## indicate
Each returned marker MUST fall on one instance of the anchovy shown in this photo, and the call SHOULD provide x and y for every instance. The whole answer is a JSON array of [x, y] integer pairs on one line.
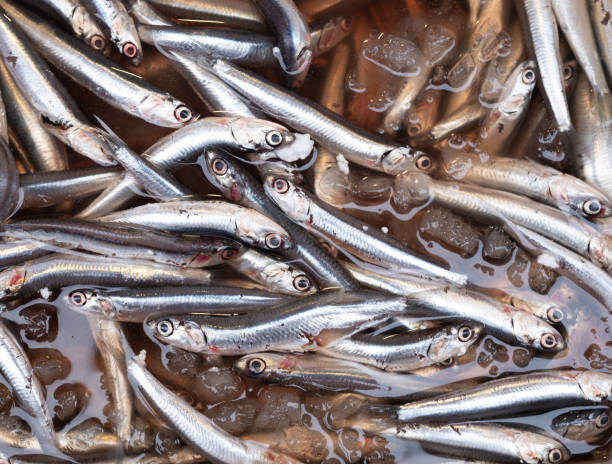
[[582, 271], [82, 440], [492, 205], [324, 126], [135, 305], [330, 34], [26, 388], [410, 351], [125, 241], [542, 183], [202, 217], [111, 83], [510, 324], [58, 111], [233, 133], [506, 115], [294, 51], [45, 151], [574, 21], [274, 274], [366, 242], [465, 117], [583, 424], [9, 182], [315, 372], [74, 15], [489, 441], [527, 300], [120, 26], [600, 17], [423, 115], [325, 169], [305, 324], [109, 340], [231, 13], [50, 188], [59, 270], [541, 33], [593, 138], [197, 430], [516, 395], [239, 185]]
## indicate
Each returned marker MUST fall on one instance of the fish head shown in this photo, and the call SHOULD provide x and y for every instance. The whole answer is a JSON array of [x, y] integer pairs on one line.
[[220, 252], [402, 159], [91, 142], [453, 341], [584, 425], [259, 230], [535, 332], [572, 193], [517, 90], [178, 331], [293, 200], [538, 448], [332, 33], [267, 367], [91, 301], [600, 251], [85, 25], [224, 172], [164, 110], [292, 280], [259, 134], [595, 386]]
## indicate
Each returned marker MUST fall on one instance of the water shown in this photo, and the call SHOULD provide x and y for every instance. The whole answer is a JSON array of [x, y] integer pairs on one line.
[[387, 50]]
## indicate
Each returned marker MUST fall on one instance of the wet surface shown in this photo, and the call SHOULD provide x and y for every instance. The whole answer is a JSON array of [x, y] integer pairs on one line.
[[308, 425]]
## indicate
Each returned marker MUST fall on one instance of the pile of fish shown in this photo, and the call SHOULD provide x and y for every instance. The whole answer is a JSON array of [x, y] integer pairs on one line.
[[361, 234]]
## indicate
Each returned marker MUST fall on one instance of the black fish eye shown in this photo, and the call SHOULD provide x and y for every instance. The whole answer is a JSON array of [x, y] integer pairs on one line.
[[554, 315], [280, 185], [273, 241], [548, 340], [592, 207], [528, 76], [219, 166], [78, 298], [301, 283], [448, 362], [98, 42], [256, 366], [274, 138], [423, 162], [130, 50], [465, 333], [414, 129], [602, 420], [228, 253], [554, 455], [165, 328], [182, 114], [568, 72]]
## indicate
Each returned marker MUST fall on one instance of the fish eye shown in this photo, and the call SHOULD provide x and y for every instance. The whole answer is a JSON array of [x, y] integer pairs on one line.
[[548, 340], [414, 129], [165, 328], [182, 114], [219, 166], [229, 253], [280, 185], [554, 314], [346, 24], [98, 42], [465, 333], [555, 455], [602, 420], [529, 76], [273, 240], [448, 362], [302, 283], [591, 207], [78, 298], [568, 72], [274, 138], [256, 366], [130, 50], [423, 162]]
